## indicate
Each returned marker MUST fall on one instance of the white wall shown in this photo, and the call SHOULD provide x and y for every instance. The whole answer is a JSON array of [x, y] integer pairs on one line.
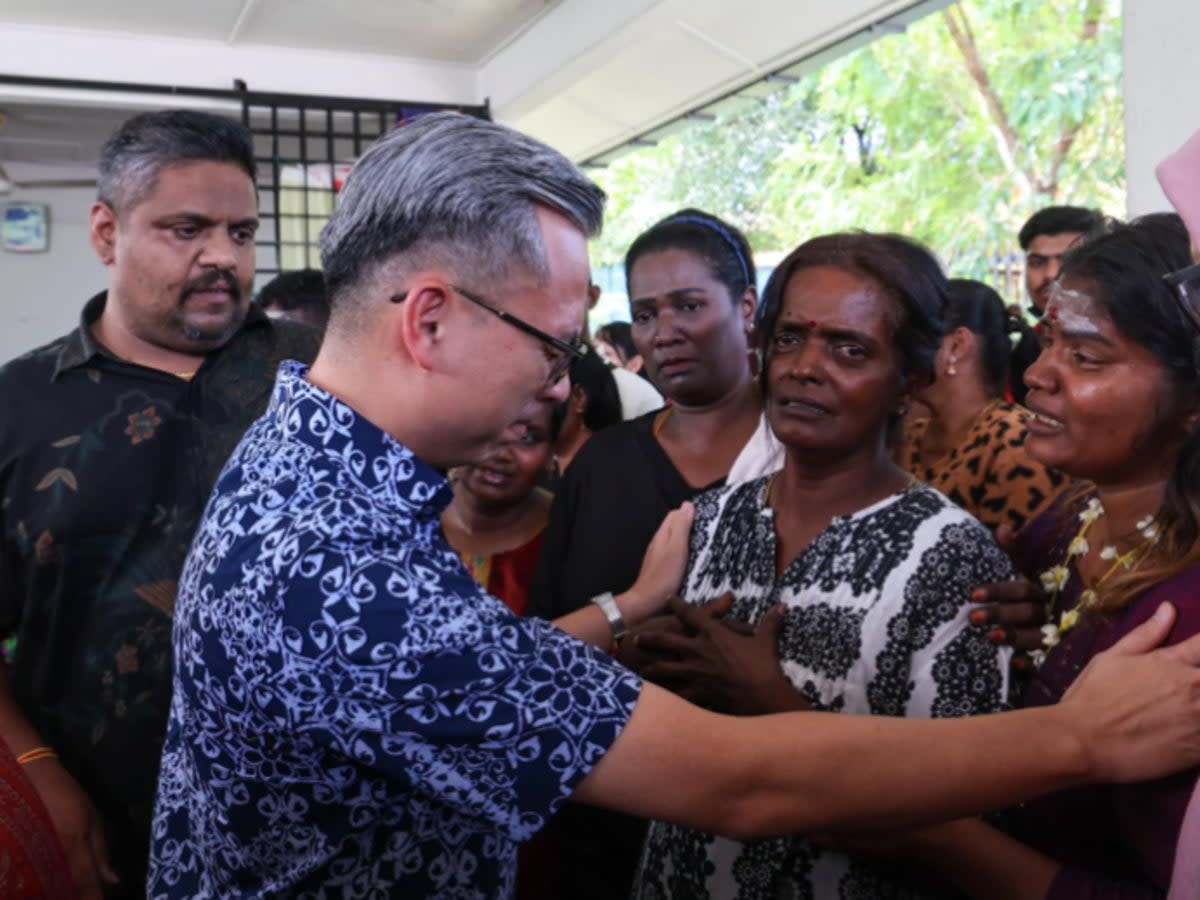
[[1162, 94], [41, 294]]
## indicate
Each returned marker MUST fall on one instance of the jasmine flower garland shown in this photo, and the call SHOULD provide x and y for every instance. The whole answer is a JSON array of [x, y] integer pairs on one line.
[[1056, 577]]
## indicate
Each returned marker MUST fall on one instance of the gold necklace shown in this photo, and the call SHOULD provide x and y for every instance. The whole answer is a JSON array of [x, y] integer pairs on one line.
[[662, 421]]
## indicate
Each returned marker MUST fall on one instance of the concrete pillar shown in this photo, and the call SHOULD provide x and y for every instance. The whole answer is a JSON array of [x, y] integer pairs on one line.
[[1162, 91]]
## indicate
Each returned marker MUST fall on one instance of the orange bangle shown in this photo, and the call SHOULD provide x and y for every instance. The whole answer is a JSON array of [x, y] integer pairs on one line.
[[36, 754]]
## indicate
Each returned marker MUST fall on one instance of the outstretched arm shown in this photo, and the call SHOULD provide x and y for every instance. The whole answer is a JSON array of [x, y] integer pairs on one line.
[[662, 571], [1131, 716]]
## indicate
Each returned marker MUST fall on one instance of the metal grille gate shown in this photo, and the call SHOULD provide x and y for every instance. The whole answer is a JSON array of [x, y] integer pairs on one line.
[[304, 145]]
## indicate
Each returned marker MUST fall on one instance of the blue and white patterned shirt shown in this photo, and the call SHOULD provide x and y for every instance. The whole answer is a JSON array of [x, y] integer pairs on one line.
[[352, 715]]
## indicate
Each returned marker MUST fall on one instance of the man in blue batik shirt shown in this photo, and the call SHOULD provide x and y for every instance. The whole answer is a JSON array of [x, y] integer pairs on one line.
[[353, 716]]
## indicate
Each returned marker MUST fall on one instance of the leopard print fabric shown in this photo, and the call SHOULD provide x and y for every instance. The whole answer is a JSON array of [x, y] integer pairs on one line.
[[989, 475]]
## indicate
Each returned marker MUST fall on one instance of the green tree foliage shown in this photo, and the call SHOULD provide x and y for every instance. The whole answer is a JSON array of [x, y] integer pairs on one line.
[[953, 133]]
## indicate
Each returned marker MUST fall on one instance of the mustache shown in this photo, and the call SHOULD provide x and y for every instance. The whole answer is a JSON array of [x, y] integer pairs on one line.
[[213, 279]]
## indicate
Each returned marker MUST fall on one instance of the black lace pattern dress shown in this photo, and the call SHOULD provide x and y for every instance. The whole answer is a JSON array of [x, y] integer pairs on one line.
[[876, 624]]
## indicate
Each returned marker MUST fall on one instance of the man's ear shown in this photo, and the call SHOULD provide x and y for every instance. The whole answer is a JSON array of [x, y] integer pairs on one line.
[[635, 363], [421, 328], [102, 231]]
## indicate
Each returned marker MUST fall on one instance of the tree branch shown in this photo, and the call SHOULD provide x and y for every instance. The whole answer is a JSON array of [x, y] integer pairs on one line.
[[1066, 140], [1007, 141]]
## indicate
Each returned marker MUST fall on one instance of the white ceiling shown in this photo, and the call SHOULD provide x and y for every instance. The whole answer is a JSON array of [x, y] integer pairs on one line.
[[604, 83], [584, 75], [463, 31]]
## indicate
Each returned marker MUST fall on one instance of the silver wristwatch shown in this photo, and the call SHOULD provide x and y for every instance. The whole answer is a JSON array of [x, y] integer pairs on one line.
[[608, 605]]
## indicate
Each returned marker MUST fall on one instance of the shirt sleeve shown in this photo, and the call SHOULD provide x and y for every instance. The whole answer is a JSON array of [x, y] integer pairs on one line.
[[442, 689], [954, 669]]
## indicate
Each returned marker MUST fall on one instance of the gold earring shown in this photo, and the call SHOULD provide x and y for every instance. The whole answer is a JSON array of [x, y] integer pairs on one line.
[[950, 370]]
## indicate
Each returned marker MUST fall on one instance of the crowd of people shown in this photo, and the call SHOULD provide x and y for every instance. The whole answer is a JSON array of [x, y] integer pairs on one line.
[[863, 587]]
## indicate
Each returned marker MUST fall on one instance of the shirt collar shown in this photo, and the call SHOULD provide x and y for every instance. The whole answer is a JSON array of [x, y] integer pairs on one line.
[[303, 412], [81, 346]]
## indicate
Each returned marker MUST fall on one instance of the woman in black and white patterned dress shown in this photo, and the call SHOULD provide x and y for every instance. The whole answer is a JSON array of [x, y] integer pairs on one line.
[[851, 582]]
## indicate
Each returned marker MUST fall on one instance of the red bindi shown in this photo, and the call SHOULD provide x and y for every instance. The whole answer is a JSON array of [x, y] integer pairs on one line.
[[812, 324]]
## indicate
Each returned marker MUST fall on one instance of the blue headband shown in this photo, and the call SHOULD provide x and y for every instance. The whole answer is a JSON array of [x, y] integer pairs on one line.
[[723, 233]]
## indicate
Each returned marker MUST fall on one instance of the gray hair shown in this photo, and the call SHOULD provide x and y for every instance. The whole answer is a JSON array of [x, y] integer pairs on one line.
[[455, 188], [131, 160]]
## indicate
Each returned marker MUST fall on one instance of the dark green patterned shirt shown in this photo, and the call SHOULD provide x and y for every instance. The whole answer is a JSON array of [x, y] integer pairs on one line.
[[105, 469]]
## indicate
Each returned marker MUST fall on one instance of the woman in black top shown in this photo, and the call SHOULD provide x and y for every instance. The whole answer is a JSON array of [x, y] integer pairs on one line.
[[692, 296], [692, 301]]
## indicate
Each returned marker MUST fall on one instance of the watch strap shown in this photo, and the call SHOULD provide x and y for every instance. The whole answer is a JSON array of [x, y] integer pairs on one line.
[[608, 605]]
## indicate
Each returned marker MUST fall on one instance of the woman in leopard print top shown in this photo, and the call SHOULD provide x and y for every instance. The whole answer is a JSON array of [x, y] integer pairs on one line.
[[972, 447]]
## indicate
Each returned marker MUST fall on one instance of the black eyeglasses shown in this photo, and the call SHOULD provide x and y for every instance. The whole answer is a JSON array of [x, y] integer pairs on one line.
[[569, 352], [1186, 283]]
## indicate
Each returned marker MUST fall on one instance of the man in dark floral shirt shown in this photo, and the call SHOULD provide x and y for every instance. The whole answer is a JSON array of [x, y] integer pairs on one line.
[[111, 438]]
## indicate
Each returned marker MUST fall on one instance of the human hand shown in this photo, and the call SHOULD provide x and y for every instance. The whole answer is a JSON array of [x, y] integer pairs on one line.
[[1136, 709], [725, 666], [630, 652], [1012, 611], [663, 567], [77, 824]]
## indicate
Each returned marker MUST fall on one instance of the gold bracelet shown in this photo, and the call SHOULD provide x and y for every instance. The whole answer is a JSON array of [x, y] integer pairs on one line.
[[36, 754]]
